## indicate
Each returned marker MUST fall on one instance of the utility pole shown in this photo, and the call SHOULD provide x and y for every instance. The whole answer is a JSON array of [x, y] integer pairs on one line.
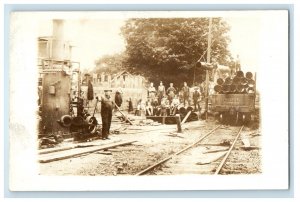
[[208, 60]]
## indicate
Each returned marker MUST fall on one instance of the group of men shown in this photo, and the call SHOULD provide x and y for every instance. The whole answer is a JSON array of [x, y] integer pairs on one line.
[[166, 101], [161, 102]]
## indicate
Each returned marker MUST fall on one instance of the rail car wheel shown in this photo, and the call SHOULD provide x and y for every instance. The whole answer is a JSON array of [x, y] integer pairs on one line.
[[239, 118], [221, 117], [247, 117]]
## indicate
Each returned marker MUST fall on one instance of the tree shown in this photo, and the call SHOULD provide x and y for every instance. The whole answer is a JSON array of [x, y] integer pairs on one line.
[[110, 63], [167, 48]]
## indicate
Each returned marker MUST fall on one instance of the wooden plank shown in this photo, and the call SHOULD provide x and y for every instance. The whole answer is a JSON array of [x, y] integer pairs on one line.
[[179, 130], [77, 145], [125, 117], [47, 151], [211, 158], [186, 117], [61, 156], [246, 142], [214, 151]]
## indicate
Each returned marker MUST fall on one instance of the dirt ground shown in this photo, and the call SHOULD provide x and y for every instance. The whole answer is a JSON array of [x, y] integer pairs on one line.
[[154, 143]]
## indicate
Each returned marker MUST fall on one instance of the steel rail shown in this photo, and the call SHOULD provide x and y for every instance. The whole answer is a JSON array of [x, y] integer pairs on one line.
[[227, 154], [179, 152]]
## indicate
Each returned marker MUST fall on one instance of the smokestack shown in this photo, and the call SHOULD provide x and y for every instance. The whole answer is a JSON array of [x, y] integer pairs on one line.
[[58, 46]]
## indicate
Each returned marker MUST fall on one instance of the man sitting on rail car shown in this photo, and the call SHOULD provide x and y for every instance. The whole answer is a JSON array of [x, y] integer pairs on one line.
[[149, 107], [164, 106], [140, 109], [174, 105], [155, 106]]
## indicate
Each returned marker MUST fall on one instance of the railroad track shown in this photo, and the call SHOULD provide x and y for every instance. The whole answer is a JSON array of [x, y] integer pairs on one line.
[[176, 153], [213, 169]]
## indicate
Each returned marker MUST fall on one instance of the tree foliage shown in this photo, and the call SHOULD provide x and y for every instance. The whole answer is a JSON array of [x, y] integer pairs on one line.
[[109, 63], [168, 48]]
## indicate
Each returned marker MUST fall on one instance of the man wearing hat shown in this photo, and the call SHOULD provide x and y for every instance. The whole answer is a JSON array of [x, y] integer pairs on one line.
[[107, 105], [196, 99]]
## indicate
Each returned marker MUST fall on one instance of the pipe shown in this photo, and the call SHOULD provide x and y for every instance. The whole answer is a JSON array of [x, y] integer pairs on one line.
[[250, 90], [228, 81], [240, 88], [249, 75], [220, 81], [194, 116], [66, 120], [182, 110], [244, 81], [251, 83], [190, 108], [218, 88], [240, 74], [236, 80], [232, 88], [226, 88]]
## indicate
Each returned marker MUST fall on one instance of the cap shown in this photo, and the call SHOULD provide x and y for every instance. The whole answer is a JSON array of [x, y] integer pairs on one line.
[[107, 90]]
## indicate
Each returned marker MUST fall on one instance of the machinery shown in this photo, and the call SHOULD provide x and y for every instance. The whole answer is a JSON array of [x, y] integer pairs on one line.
[[83, 124]]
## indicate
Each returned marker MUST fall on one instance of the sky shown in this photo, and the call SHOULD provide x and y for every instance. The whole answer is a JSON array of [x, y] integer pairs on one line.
[[91, 38], [245, 41], [97, 37]]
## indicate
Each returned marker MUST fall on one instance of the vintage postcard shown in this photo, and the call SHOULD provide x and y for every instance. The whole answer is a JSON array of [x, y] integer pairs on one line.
[[148, 100]]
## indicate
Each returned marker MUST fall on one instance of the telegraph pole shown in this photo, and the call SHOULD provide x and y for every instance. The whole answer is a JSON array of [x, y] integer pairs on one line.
[[208, 60]]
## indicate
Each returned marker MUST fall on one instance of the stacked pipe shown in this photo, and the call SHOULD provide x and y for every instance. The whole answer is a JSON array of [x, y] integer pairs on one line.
[[240, 83]]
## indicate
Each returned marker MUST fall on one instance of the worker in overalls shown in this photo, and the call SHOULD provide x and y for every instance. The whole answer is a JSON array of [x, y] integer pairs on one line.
[[107, 105]]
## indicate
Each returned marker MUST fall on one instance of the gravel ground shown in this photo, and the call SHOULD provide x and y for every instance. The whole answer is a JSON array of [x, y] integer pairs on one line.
[[155, 143]]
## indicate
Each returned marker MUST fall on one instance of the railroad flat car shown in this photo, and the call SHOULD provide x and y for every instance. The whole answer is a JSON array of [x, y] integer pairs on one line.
[[234, 98], [233, 108]]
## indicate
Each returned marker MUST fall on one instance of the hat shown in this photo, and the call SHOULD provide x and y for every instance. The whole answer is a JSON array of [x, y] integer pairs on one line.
[[107, 90]]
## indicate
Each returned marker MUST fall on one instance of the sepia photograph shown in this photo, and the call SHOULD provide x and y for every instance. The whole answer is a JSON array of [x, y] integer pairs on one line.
[[163, 95]]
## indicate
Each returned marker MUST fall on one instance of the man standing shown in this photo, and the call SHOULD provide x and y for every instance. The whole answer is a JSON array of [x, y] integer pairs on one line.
[[171, 92], [107, 105], [118, 98], [90, 93], [196, 99], [151, 92], [186, 93], [161, 92]]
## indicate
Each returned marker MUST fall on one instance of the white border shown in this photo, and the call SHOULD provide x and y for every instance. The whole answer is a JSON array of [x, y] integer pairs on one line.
[[23, 170]]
